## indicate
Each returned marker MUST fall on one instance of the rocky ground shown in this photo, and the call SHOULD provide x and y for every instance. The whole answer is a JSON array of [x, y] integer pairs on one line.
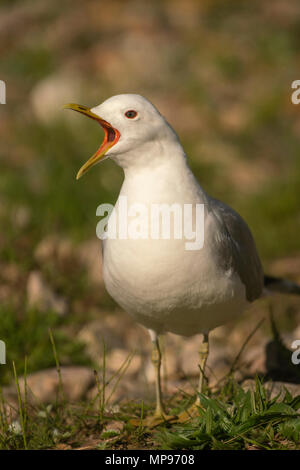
[[248, 347]]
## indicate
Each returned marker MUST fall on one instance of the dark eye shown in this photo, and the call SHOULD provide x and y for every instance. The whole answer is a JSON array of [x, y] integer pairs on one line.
[[131, 114]]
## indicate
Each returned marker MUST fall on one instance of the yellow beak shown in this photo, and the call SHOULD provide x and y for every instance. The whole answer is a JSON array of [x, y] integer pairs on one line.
[[111, 137]]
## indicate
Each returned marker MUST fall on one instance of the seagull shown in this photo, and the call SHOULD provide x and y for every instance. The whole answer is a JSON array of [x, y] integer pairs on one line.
[[162, 284]]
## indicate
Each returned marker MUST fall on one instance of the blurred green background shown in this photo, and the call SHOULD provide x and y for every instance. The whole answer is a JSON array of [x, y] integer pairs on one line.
[[221, 73]]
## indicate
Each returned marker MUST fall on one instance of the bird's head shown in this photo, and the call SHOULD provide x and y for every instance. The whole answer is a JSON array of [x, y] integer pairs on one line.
[[131, 125]]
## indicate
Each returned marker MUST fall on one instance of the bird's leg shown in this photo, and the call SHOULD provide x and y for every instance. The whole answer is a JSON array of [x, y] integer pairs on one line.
[[203, 354], [159, 415], [156, 361]]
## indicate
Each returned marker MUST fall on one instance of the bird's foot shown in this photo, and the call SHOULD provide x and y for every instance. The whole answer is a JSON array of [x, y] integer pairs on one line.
[[191, 412], [154, 420]]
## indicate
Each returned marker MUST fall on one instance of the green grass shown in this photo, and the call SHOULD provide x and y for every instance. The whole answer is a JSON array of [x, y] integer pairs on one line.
[[230, 418], [27, 335], [237, 419]]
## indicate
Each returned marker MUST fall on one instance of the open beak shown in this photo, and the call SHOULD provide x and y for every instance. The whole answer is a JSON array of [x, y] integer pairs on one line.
[[111, 137]]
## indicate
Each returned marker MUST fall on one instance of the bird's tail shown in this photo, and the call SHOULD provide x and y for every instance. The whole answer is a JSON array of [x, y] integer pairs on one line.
[[277, 284]]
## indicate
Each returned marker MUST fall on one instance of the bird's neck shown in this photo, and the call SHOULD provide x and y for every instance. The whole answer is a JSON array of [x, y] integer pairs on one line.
[[163, 176]]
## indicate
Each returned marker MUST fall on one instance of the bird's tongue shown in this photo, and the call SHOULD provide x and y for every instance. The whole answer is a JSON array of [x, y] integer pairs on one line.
[[111, 135]]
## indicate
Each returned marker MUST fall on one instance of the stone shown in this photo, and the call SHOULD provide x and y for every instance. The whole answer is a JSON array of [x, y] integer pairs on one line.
[[274, 387], [124, 391], [90, 256], [22, 216], [113, 329], [10, 272], [50, 94], [287, 266], [43, 386], [53, 249], [40, 295], [253, 359], [118, 357]]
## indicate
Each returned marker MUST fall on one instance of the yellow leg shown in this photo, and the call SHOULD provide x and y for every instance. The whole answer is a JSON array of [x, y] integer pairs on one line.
[[156, 361], [159, 415], [203, 354]]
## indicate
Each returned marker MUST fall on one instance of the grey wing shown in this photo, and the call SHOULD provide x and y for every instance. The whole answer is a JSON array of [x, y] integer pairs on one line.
[[235, 248]]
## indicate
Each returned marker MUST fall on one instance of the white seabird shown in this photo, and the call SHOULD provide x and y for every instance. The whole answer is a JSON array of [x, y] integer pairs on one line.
[[164, 286]]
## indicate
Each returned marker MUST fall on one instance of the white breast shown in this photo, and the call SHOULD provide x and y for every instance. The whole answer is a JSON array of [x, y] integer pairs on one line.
[[164, 286]]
